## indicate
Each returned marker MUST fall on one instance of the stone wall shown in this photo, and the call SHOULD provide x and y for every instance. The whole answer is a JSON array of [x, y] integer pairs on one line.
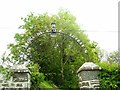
[[19, 80]]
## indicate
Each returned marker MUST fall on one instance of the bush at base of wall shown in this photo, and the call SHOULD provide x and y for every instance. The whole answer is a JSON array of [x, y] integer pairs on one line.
[[109, 76]]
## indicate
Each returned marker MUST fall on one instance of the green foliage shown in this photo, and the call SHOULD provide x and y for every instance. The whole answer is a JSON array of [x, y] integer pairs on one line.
[[45, 85], [38, 79], [5, 72], [58, 57], [113, 57], [109, 76]]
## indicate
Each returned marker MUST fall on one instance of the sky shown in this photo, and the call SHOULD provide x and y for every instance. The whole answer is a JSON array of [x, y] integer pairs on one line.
[[98, 17]]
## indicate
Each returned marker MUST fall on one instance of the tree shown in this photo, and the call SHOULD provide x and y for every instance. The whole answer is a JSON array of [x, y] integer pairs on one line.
[[38, 79], [58, 57], [114, 57]]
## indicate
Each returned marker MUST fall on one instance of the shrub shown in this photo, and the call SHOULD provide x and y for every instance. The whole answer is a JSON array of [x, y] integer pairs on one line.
[[109, 76]]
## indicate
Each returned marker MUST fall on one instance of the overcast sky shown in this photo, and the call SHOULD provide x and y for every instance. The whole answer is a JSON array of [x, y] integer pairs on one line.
[[98, 17]]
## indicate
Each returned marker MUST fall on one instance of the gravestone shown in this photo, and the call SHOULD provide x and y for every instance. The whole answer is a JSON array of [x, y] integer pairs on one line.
[[88, 75]]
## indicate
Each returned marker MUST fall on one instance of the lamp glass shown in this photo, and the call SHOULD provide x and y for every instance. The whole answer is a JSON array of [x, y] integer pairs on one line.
[[53, 24]]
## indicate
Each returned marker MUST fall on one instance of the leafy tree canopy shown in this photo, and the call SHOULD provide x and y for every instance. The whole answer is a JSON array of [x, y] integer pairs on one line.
[[58, 57], [114, 57]]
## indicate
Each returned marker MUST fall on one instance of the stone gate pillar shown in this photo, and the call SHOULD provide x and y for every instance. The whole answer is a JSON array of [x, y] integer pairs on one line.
[[88, 75], [19, 80], [20, 77]]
